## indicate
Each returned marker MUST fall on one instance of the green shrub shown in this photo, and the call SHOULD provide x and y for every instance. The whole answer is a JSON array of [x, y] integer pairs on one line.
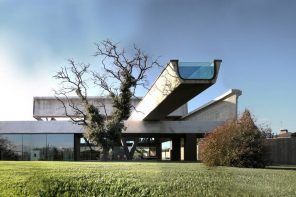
[[237, 143]]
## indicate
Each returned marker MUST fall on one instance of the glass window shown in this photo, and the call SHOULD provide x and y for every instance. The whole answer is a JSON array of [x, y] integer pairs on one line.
[[10, 147], [196, 70], [34, 147], [88, 151], [37, 147], [60, 147]]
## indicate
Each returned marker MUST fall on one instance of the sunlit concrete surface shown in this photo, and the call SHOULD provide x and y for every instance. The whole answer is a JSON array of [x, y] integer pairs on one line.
[[222, 108]]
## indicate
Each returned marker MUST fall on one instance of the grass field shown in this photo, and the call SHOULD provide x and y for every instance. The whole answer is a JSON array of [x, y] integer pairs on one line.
[[140, 179]]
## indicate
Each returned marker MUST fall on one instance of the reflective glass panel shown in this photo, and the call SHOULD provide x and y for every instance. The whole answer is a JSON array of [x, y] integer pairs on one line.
[[88, 151], [60, 147], [10, 146], [196, 70], [34, 147]]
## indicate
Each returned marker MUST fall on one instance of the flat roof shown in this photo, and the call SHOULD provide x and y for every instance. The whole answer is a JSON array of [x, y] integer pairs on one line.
[[12, 127]]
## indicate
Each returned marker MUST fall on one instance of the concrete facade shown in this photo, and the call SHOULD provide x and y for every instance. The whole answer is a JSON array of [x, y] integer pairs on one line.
[[162, 114]]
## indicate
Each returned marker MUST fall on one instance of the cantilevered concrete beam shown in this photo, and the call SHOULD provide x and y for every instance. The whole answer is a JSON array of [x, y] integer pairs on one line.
[[50, 107], [169, 127], [177, 84]]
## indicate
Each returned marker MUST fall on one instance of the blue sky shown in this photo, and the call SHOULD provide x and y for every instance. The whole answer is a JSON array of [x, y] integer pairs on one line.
[[255, 39]]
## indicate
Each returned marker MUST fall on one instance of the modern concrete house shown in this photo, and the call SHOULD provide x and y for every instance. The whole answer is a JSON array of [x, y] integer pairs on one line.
[[160, 116]]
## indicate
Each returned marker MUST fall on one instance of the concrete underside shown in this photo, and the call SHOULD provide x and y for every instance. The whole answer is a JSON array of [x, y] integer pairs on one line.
[[182, 94]]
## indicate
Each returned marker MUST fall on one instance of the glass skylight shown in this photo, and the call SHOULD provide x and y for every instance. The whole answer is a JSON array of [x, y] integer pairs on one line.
[[196, 70]]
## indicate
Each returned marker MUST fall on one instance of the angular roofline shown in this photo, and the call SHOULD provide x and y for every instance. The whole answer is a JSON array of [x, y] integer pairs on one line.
[[155, 105], [164, 68], [76, 97], [217, 99]]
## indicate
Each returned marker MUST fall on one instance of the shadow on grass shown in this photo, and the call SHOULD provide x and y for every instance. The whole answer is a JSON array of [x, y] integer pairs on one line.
[[292, 167], [140, 161]]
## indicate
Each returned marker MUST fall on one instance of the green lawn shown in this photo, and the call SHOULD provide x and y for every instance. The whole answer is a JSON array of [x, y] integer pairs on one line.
[[140, 179]]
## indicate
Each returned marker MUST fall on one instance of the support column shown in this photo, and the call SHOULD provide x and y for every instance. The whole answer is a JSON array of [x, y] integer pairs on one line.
[[158, 149], [129, 154], [77, 146], [176, 148], [190, 147]]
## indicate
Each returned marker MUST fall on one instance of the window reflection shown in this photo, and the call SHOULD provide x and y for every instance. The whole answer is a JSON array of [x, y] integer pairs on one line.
[[34, 147], [60, 147], [196, 70], [37, 147], [10, 147], [88, 151]]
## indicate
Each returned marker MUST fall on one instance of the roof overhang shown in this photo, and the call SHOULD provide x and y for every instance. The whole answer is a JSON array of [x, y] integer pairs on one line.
[[13, 127]]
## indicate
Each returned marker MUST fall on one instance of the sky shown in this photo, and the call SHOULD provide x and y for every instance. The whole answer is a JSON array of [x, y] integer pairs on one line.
[[256, 39]]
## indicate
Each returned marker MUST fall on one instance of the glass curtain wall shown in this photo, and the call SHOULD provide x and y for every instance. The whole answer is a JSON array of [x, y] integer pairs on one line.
[[88, 151], [11, 147], [37, 147], [60, 147], [34, 147]]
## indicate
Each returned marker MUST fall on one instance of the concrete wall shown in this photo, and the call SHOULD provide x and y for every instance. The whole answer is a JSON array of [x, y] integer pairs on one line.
[[221, 110]]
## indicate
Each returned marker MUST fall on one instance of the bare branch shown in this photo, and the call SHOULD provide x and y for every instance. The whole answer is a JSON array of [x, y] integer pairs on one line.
[[121, 65], [72, 80], [76, 119]]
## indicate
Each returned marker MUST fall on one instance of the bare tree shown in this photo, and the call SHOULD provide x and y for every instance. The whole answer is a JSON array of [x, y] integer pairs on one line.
[[121, 74]]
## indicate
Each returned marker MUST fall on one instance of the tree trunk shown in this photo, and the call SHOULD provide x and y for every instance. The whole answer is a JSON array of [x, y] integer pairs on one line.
[[105, 154]]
